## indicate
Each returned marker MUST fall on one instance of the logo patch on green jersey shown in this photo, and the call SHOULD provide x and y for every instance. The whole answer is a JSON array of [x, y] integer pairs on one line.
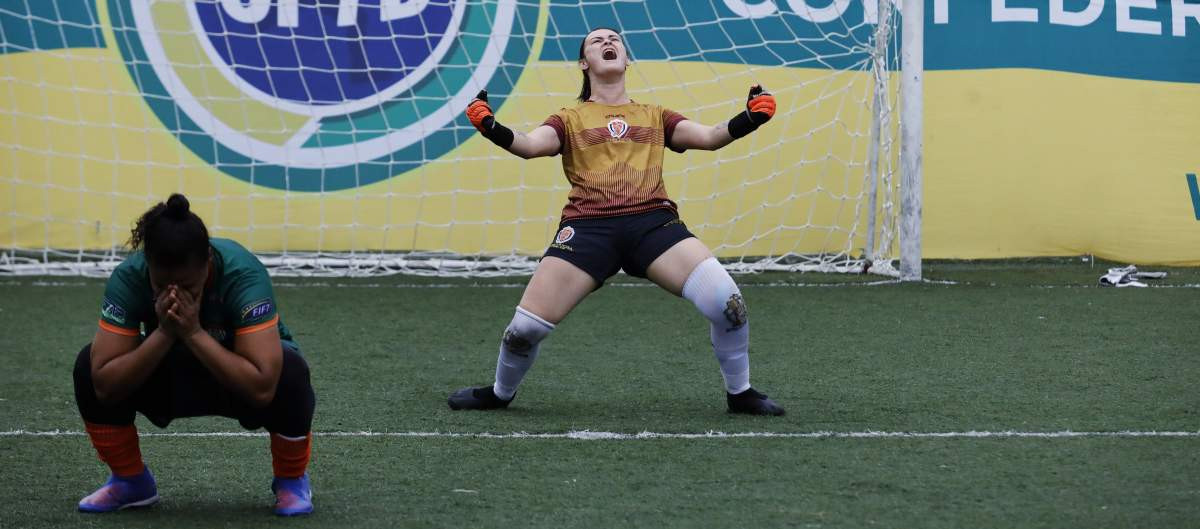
[[111, 311], [257, 310]]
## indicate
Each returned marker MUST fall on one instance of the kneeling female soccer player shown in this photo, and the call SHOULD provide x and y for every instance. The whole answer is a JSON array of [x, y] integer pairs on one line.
[[618, 216], [189, 327]]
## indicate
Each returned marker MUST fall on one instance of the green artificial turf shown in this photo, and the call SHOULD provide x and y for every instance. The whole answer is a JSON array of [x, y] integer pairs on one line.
[[1004, 346]]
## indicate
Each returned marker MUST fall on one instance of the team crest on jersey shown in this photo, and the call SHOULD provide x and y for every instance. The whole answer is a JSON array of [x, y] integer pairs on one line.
[[564, 235], [256, 310], [319, 95], [112, 311], [618, 128]]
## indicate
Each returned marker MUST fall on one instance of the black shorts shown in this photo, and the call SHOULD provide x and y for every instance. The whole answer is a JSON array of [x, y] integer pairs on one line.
[[180, 386], [603, 246]]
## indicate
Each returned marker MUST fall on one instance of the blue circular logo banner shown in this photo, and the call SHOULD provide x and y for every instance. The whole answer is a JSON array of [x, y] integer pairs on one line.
[[320, 95], [328, 53]]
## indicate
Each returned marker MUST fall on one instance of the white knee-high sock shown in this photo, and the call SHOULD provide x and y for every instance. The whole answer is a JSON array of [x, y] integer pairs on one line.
[[518, 350], [711, 289]]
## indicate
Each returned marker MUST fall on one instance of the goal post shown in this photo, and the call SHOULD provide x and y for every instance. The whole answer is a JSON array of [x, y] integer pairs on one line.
[[912, 66], [328, 137]]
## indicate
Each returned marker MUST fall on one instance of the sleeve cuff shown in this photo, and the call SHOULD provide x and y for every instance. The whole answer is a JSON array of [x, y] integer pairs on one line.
[[118, 330], [560, 128], [670, 120], [257, 327]]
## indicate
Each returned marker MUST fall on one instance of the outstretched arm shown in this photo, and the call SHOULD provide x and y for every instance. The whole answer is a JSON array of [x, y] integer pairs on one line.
[[542, 141], [760, 107]]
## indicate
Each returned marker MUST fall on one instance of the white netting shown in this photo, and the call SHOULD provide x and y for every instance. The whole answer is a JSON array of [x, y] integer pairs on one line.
[[328, 136]]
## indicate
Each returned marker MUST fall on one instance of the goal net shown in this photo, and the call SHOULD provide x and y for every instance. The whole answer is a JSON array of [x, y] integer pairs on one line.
[[328, 136]]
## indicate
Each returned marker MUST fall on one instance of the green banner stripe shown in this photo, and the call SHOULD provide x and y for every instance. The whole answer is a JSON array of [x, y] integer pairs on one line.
[[33, 25]]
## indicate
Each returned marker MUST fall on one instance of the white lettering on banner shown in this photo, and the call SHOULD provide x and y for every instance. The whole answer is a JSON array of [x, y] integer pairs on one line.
[[819, 15], [251, 13], [1060, 15], [288, 13], [744, 10], [394, 9], [347, 12], [1003, 13], [941, 12], [1126, 22], [1181, 11], [1179, 14]]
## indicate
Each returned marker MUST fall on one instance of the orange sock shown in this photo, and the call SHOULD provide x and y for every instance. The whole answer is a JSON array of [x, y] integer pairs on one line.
[[117, 447], [289, 456]]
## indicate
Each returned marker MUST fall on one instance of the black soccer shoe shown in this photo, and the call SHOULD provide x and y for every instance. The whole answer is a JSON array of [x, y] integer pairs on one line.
[[752, 402], [480, 398]]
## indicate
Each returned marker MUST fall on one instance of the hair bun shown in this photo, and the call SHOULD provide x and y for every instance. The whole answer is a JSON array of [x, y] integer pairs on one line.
[[177, 207]]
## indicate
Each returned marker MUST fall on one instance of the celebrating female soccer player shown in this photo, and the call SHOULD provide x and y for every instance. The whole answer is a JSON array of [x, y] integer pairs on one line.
[[189, 327], [617, 217]]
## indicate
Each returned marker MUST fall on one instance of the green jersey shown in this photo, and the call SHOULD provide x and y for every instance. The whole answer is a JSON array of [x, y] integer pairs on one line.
[[237, 299]]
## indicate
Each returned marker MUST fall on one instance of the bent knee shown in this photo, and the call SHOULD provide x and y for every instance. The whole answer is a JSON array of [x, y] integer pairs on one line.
[[735, 312], [83, 365], [525, 332], [294, 372], [716, 295], [295, 384], [517, 341]]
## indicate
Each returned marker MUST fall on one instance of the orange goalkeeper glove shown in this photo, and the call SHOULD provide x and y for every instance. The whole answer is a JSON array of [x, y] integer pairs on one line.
[[760, 104], [480, 114], [760, 107]]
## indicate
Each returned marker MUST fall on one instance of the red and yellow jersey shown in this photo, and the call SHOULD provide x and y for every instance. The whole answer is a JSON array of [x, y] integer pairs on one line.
[[613, 156]]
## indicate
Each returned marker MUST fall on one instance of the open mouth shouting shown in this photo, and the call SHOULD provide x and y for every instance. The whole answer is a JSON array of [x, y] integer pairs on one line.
[[609, 54]]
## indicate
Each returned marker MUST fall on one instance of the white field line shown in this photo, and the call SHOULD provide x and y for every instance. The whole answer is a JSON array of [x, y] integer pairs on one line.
[[618, 285], [777, 284], [587, 435], [326, 284]]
